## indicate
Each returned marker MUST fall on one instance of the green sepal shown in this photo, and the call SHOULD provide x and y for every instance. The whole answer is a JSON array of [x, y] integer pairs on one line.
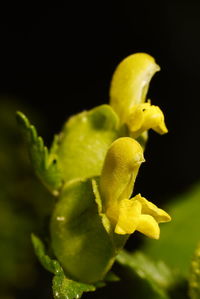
[[77, 152], [84, 141], [97, 198], [79, 239], [194, 277], [118, 241], [44, 163], [63, 287], [154, 277]]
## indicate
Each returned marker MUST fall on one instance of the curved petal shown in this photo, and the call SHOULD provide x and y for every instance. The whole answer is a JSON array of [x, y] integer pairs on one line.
[[151, 209], [120, 169], [129, 216], [148, 226], [130, 83], [144, 117]]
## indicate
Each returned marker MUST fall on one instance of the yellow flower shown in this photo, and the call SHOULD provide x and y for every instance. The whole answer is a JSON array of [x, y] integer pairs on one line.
[[128, 91], [144, 117], [120, 169], [141, 215]]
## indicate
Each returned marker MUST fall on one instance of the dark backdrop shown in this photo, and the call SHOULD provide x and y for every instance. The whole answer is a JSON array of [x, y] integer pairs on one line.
[[59, 58]]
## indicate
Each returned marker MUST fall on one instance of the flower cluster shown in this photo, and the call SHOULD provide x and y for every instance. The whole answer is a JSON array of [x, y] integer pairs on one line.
[[91, 168], [110, 155], [128, 91]]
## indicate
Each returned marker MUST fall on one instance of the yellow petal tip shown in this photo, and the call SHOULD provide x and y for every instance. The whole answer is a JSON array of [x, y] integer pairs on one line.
[[129, 216], [149, 227]]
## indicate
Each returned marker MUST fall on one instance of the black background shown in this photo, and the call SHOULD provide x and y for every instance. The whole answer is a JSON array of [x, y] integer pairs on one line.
[[59, 58]]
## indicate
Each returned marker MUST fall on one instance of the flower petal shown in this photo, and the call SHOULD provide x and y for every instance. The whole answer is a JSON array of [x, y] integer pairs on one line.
[[149, 227], [144, 117], [120, 169], [130, 83], [129, 216], [150, 209]]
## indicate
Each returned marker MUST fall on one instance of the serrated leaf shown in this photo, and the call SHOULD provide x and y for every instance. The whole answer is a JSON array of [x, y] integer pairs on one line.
[[63, 287], [194, 278], [49, 264], [179, 238], [44, 164], [157, 276], [84, 141]]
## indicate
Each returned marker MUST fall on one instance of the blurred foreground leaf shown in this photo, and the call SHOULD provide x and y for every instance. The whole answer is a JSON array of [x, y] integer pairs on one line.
[[194, 279], [180, 237], [62, 286], [24, 203], [154, 279]]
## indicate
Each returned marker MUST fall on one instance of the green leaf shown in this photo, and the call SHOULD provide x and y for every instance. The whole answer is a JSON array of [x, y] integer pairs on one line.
[[179, 237], [49, 264], [194, 278], [66, 288], [154, 276], [84, 141], [44, 164], [63, 287]]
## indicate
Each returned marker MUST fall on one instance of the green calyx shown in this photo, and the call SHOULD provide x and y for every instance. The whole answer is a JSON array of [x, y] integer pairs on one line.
[[77, 152], [84, 141], [79, 239]]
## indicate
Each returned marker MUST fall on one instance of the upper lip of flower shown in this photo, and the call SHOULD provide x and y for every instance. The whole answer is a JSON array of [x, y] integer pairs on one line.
[[128, 91], [130, 83]]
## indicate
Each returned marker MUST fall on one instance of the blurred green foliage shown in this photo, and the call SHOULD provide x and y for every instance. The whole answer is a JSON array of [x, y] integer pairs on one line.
[[180, 237], [155, 278], [194, 280], [24, 204]]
